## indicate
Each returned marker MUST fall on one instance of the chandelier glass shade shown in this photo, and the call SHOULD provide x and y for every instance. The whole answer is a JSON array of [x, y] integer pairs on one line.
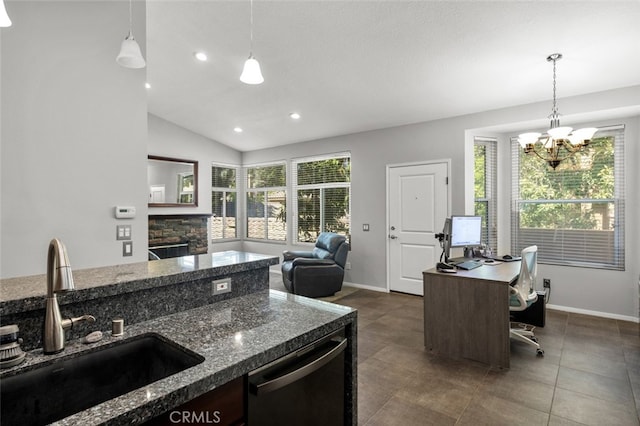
[[560, 142], [4, 17]]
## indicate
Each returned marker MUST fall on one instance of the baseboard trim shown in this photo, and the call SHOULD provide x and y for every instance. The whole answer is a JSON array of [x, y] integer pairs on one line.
[[365, 287], [593, 313]]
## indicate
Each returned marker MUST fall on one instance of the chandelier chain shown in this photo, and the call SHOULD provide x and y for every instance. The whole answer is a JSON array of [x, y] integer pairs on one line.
[[555, 106]]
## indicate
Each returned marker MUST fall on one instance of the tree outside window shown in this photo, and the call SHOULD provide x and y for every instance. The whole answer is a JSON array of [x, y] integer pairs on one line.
[[323, 195], [574, 213], [485, 188]]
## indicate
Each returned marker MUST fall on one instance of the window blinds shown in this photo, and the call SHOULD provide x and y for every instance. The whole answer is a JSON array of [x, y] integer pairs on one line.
[[575, 214]]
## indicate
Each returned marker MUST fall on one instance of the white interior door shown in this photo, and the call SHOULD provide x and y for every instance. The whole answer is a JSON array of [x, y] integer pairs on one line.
[[156, 194], [418, 203]]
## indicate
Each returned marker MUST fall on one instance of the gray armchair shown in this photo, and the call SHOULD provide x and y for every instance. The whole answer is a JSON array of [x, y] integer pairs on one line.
[[316, 273]]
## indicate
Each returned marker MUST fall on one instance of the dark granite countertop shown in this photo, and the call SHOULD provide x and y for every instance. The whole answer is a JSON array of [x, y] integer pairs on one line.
[[28, 293], [234, 336]]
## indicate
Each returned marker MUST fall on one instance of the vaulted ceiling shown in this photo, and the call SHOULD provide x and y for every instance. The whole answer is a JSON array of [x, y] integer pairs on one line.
[[351, 66]]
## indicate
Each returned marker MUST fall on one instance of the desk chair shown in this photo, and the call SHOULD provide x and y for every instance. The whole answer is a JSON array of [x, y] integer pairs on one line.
[[522, 295]]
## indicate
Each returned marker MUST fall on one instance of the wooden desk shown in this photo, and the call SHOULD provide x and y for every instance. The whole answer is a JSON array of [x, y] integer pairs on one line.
[[466, 314]]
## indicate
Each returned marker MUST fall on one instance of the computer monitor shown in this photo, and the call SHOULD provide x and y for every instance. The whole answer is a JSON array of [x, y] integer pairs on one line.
[[466, 231]]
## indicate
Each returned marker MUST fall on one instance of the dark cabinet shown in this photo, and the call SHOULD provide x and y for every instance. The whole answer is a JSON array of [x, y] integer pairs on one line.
[[223, 406]]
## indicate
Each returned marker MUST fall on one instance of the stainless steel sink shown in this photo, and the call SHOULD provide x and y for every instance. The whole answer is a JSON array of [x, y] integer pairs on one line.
[[45, 394]]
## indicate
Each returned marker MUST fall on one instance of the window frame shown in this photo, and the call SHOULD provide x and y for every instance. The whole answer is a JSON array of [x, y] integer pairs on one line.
[[225, 192], [265, 191], [551, 255], [295, 187], [490, 232]]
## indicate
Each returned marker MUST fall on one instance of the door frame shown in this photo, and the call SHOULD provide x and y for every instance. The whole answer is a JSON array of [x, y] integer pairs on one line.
[[445, 161]]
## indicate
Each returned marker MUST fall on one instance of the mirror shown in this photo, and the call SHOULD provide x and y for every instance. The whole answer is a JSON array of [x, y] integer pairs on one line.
[[172, 182]]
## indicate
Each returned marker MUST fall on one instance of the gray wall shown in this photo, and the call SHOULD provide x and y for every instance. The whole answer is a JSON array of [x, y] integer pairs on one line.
[[73, 146], [610, 292], [168, 140], [73, 138]]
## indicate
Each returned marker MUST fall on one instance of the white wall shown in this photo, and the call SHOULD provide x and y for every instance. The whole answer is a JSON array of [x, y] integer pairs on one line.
[[73, 137], [169, 140], [610, 292]]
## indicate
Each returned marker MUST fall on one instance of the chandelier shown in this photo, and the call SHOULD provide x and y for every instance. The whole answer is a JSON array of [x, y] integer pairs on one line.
[[559, 143]]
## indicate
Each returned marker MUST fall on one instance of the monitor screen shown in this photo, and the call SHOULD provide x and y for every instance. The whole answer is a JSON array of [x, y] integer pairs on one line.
[[466, 231]]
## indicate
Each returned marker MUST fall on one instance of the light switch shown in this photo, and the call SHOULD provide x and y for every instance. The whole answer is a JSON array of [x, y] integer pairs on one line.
[[365, 227], [123, 232], [127, 248]]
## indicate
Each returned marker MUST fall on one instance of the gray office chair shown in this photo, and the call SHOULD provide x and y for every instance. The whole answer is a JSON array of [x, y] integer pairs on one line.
[[522, 295]]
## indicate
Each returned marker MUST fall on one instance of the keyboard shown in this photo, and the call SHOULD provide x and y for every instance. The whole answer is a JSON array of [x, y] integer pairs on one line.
[[470, 264]]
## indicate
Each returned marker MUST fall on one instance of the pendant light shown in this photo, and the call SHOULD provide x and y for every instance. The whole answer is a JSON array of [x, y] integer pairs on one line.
[[4, 17], [251, 73], [130, 55], [559, 143]]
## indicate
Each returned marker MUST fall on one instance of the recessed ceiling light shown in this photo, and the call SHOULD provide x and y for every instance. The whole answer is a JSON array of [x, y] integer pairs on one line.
[[237, 129], [294, 115], [201, 56], [147, 85]]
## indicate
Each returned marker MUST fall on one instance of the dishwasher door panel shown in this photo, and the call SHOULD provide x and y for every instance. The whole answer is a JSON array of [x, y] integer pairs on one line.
[[306, 387]]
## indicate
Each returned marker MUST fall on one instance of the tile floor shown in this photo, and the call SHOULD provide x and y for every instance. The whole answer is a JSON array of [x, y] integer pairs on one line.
[[590, 373]]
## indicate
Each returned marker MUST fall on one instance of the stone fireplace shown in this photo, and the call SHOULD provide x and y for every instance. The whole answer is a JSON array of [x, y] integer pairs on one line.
[[178, 235]]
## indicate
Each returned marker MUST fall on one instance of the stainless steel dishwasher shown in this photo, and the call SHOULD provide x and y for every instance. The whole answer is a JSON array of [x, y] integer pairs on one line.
[[306, 387]]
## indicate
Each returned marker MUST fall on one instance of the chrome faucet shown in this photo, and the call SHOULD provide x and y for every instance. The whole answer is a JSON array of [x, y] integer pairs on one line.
[[59, 278]]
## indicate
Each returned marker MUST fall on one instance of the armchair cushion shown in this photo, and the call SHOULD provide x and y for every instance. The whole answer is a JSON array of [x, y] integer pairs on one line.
[[318, 272]]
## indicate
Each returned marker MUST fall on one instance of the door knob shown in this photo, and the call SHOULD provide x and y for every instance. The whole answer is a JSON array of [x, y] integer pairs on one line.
[[393, 237]]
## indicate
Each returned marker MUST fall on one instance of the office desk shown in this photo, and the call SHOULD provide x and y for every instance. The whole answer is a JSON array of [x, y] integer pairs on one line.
[[466, 314]]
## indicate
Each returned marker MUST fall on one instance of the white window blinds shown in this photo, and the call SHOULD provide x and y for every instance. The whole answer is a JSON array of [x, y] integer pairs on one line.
[[266, 188], [224, 198], [322, 187], [485, 188], [575, 214]]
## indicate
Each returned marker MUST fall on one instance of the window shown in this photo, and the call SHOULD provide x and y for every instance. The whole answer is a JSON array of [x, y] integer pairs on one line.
[[575, 214], [266, 188], [185, 188], [485, 188], [224, 197], [322, 186]]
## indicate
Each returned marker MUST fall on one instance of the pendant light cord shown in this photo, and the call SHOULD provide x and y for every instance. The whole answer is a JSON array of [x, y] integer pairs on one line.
[[130, 19], [251, 28]]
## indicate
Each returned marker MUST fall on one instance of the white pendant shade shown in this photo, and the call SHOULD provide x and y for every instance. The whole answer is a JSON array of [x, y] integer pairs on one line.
[[560, 132], [4, 17], [251, 73], [528, 138], [130, 55]]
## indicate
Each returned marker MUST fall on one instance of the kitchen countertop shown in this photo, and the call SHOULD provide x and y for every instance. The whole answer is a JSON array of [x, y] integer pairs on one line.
[[234, 336], [28, 293]]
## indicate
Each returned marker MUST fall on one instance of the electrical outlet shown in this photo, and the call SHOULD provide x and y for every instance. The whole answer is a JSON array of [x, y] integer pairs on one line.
[[546, 283], [347, 266], [221, 286]]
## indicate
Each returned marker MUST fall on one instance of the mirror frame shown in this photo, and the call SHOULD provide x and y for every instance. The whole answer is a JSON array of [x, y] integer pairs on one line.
[[195, 181]]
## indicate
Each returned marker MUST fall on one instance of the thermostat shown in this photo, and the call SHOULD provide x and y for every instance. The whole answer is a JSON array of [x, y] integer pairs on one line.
[[125, 212]]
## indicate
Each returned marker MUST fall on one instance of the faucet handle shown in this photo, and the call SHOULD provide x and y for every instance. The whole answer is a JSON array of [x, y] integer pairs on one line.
[[70, 322]]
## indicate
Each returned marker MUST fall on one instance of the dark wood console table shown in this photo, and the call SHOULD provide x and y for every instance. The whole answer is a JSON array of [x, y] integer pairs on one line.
[[466, 314]]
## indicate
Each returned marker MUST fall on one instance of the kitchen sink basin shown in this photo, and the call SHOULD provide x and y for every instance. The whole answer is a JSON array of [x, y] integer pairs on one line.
[[48, 393]]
